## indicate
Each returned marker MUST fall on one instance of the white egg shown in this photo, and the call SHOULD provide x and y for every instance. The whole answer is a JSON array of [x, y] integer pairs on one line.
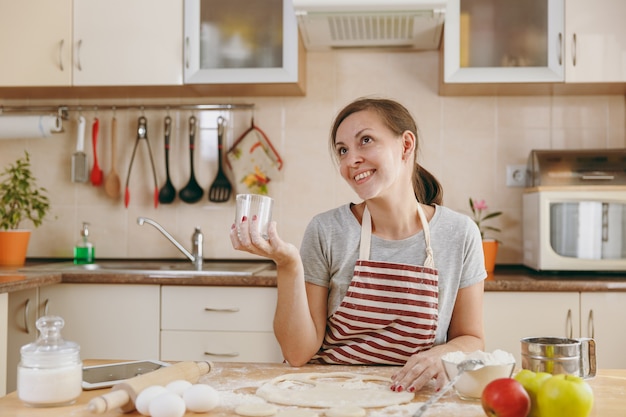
[[201, 398], [143, 399], [167, 404], [179, 386]]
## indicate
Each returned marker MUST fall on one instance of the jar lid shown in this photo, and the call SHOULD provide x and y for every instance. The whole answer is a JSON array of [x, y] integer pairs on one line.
[[50, 350]]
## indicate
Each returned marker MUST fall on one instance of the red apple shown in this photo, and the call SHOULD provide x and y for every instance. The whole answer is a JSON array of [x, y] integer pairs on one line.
[[505, 397]]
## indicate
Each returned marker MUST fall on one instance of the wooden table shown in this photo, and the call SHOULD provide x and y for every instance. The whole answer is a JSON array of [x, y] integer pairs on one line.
[[237, 383]]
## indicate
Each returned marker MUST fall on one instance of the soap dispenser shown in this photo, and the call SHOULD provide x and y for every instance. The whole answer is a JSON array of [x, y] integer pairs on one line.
[[84, 251]]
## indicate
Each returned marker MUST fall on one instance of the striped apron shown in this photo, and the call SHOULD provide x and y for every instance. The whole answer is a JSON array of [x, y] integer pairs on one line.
[[389, 311]]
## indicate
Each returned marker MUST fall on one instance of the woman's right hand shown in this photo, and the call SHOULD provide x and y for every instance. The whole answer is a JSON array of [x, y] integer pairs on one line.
[[246, 237]]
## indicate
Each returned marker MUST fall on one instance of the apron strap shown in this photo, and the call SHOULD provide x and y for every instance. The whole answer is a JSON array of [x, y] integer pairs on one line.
[[366, 236]]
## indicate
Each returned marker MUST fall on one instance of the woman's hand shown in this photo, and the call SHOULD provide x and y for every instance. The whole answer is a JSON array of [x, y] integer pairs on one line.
[[418, 371], [245, 236]]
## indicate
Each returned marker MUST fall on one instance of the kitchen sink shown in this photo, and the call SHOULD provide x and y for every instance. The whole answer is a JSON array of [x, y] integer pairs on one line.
[[161, 268]]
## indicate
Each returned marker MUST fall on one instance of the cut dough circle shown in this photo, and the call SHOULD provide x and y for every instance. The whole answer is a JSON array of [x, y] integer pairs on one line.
[[346, 411], [296, 412], [256, 410], [332, 389]]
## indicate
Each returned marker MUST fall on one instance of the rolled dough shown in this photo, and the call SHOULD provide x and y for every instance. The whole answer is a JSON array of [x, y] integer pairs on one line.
[[256, 410], [346, 411], [332, 389]]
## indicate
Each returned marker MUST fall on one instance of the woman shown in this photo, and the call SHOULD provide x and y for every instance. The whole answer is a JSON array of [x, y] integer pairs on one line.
[[395, 279]]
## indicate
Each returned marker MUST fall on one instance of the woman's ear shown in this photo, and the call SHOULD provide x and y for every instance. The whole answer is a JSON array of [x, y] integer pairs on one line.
[[408, 144]]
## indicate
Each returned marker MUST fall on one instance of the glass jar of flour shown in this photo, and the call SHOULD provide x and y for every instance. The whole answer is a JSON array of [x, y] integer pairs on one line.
[[50, 372]]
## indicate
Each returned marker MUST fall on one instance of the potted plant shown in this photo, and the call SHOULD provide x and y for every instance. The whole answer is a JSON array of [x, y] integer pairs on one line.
[[490, 246], [20, 199]]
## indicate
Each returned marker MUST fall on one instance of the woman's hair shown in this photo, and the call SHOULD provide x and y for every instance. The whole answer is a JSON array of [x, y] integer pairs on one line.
[[398, 119]]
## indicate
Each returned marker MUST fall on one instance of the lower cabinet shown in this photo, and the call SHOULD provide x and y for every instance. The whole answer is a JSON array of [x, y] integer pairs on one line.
[[21, 330], [510, 316], [108, 321], [218, 323]]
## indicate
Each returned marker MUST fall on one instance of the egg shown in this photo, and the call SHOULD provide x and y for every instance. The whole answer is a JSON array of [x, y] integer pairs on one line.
[[167, 404], [143, 399], [201, 398], [178, 387]]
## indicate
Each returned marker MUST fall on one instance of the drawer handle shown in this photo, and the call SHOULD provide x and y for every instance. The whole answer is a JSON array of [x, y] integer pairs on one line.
[[26, 315], [226, 355], [569, 327], [222, 310]]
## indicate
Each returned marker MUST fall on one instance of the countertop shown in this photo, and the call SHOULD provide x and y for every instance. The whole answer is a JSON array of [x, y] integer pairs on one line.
[[505, 278], [237, 383]]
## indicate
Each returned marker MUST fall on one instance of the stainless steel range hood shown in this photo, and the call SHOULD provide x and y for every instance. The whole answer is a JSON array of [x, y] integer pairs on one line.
[[408, 24]]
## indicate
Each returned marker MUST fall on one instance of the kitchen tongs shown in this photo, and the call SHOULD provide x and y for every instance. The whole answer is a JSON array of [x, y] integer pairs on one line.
[[142, 133]]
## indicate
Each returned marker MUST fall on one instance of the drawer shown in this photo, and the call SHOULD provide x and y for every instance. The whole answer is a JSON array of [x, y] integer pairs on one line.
[[220, 346], [218, 308]]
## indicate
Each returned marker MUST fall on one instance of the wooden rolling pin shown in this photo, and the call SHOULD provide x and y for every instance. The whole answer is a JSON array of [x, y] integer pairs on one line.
[[124, 394]]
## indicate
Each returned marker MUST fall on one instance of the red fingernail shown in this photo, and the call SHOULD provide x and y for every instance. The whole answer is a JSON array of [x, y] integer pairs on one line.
[[244, 218], [400, 388], [412, 389], [393, 387], [254, 217]]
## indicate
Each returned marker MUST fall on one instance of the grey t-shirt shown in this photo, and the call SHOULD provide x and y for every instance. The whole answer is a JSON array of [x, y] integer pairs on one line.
[[330, 248]]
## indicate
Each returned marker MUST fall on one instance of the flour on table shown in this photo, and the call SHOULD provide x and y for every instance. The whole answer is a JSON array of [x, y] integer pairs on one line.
[[332, 389], [346, 411]]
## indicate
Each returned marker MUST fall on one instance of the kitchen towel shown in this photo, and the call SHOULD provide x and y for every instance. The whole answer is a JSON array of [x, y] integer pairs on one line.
[[32, 126]]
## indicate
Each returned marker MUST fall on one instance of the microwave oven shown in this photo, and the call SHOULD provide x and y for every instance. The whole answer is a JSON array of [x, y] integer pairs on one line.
[[574, 229], [574, 210]]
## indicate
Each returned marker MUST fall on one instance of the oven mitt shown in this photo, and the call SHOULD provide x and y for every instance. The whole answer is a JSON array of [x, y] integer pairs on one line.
[[254, 162]]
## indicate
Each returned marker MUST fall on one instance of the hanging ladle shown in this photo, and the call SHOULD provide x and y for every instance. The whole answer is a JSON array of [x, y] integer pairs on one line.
[[192, 192], [466, 365], [167, 193]]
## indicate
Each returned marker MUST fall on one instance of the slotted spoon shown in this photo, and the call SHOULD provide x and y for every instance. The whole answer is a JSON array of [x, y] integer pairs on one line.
[[221, 188]]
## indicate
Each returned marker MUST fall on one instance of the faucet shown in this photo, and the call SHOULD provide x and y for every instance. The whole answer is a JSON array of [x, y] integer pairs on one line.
[[196, 242]]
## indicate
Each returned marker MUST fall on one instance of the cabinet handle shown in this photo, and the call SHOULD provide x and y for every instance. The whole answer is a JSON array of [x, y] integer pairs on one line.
[[591, 330], [559, 47], [222, 310], [569, 327], [78, 65], [574, 49], [187, 52], [26, 314], [226, 355], [45, 306], [61, 55]]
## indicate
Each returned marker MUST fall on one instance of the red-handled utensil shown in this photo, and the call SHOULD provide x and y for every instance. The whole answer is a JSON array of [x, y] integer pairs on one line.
[[96, 172]]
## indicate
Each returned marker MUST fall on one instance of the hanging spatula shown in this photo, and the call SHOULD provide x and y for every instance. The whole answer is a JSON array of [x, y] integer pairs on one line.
[[80, 170], [221, 188]]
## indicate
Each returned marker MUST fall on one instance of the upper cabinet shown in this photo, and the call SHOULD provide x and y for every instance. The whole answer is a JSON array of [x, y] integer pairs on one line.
[[508, 41], [90, 42], [224, 45]]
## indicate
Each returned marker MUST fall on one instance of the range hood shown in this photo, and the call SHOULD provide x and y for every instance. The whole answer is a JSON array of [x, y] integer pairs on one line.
[[408, 24]]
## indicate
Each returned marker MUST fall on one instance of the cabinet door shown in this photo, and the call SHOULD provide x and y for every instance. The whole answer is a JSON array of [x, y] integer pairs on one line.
[[595, 43], [121, 42], [503, 41], [511, 316], [108, 321], [601, 315], [225, 46], [35, 42], [21, 329]]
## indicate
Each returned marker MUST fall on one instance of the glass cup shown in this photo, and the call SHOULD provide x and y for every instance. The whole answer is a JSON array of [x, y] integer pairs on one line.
[[250, 205]]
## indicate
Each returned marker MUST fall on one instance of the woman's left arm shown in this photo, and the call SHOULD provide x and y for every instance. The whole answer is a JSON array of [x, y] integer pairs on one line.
[[466, 333]]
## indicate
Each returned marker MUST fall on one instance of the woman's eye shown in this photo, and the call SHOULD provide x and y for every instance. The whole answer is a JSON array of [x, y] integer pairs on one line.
[[366, 139], [341, 151]]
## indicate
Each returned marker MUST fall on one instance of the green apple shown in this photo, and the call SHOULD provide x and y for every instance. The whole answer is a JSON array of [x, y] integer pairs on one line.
[[565, 395], [531, 381]]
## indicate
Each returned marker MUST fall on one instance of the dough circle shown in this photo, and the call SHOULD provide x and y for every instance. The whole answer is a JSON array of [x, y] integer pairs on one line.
[[296, 412], [256, 410], [332, 389], [346, 411]]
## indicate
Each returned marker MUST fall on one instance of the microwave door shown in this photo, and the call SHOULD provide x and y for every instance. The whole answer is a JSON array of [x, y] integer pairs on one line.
[[589, 230], [613, 230], [564, 228]]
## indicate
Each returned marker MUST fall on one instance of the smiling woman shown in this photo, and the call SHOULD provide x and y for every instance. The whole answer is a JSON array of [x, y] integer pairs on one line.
[[394, 279]]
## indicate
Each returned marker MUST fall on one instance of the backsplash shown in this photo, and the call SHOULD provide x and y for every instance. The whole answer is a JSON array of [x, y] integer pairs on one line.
[[465, 141]]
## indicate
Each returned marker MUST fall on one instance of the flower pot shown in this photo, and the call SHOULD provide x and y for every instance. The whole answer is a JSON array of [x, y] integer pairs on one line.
[[490, 249], [13, 247]]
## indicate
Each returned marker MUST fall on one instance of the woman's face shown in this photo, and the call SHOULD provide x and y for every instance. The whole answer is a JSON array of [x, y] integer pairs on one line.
[[370, 155]]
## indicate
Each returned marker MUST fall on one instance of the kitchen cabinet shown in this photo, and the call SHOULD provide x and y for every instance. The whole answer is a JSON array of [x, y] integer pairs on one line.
[[108, 321], [511, 316], [21, 330], [601, 313], [36, 42], [495, 41], [218, 323], [90, 43], [225, 46]]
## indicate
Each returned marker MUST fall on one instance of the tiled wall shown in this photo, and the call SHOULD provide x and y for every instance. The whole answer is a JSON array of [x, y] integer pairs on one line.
[[465, 141]]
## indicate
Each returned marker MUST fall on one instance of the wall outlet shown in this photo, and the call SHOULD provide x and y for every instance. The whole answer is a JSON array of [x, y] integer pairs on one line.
[[516, 175]]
